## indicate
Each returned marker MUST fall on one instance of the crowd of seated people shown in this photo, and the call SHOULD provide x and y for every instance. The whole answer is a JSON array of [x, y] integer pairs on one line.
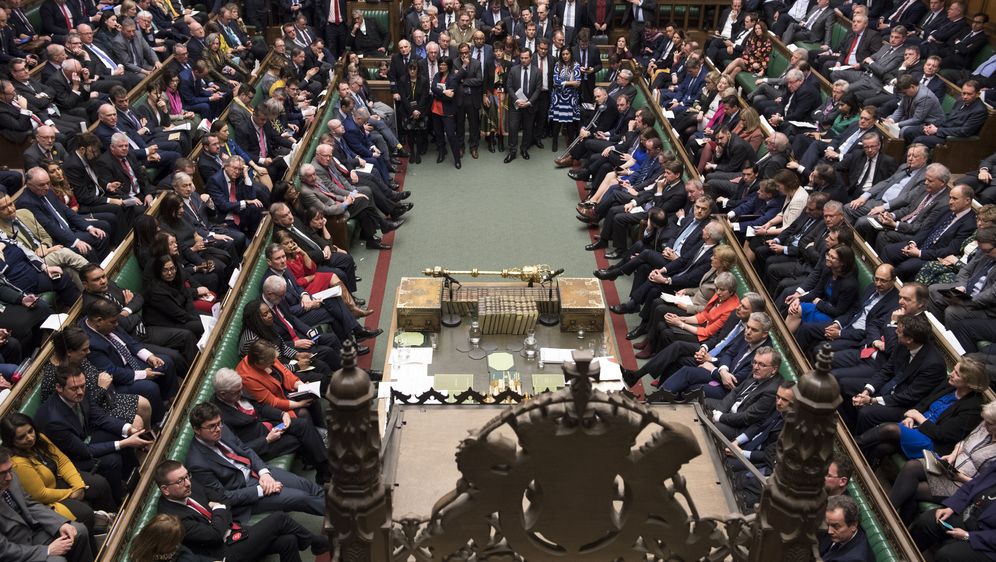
[[801, 172]]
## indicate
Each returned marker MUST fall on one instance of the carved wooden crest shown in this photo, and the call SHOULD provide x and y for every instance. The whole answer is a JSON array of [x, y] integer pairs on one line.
[[588, 476]]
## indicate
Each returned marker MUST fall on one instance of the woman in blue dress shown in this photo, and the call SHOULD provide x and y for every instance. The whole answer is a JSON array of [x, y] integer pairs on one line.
[[565, 105], [829, 292]]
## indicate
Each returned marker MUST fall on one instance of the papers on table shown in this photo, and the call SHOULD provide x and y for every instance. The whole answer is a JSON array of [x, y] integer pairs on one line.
[[875, 224], [608, 369], [411, 356], [411, 379], [677, 299], [329, 293], [54, 321], [556, 355], [804, 125], [891, 128]]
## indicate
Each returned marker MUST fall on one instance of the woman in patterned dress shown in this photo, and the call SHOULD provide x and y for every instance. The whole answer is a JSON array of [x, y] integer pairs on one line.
[[757, 52], [565, 106]]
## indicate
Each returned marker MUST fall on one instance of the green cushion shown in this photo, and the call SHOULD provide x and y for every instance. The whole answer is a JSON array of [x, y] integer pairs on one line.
[[947, 104], [877, 538], [982, 56], [34, 17], [130, 276], [865, 274]]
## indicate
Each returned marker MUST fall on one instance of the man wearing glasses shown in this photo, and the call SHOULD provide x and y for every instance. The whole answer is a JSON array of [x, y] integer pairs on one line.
[[31, 531], [752, 400], [211, 531], [221, 463]]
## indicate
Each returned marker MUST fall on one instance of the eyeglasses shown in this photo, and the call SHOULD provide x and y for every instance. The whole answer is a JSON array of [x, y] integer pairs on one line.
[[180, 480], [757, 363], [212, 426]]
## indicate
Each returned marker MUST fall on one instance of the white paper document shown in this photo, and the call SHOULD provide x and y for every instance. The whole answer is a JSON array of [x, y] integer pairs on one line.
[[803, 124], [234, 277], [411, 355], [676, 299], [307, 389], [106, 260], [875, 224], [750, 232], [556, 355], [608, 369], [329, 293], [208, 322], [54, 321], [367, 168]]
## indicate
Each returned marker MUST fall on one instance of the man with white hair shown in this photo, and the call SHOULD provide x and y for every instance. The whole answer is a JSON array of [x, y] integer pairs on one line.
[[89, 239]]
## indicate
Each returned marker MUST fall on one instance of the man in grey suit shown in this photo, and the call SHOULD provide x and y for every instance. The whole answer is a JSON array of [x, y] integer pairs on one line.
[[903, 185], [917, 107], [752, 400], [884, 60], [909, 216], [525, 78], [978, 281], [129, 46], [816, 28], [32, 532]]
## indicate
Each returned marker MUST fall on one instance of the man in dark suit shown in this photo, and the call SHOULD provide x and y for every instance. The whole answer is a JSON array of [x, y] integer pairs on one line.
[[964, 120], [844, 539], [134, 367], [728, 369], [524, 84], [877, 304], [126, 177], [915, 369], [753, 398], [759, 442], [861, 169], [941, 237], [159, 158], [859, 44], [569, 15], [907, 13], [235, 199], [211, 530], [908, 215], [45, 149], [636, 16], [544, 64], [367, 36], [802, 99], [198, 209], [817, 26], [959, 50], [65, 226], [100, 199], [91, 438], [955, 25], [33, 531], [607, 126], [290, 328], [178, 344], [41, 100], [58, 17], [221, 462], [329, 255], [587, 55], [131, 122], [469, 96], [259, 426], [731, 159], [197, 95]]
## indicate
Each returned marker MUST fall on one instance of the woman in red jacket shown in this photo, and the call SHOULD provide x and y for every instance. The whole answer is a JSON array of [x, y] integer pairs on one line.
[[269, 381]]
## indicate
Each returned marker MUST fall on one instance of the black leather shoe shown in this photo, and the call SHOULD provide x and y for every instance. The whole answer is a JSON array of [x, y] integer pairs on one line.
[[509, 157], [418, 158], [539, 144], [365, 334], [395, 162], [362, 349], [376, 244], [636, 332], [630, 377], [624, 308], [394, 185], [401, 209], [457, 165], [440, 158], [613, 255], [596, 245], [391, 225], [359, 302], [525, 155], [606, 274], [358, 279], [402, 153], [579, 174], [402, 195]]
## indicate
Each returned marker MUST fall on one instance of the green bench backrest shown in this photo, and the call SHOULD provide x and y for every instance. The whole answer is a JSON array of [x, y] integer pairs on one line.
[[877, 538], [837, 35], [226, 355], [948, 103], [982, 56], [34, 17], [865, 274]]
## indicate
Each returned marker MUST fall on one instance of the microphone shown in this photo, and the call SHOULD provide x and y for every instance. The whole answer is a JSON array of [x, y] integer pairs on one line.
[[550, 275]]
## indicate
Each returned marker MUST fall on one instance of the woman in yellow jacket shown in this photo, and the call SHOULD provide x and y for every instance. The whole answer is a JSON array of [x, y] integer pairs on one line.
[[50, 478]]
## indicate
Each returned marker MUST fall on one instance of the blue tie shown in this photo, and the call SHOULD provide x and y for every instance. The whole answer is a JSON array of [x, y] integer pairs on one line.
[[684, 236], [736, 331], [939, 230]]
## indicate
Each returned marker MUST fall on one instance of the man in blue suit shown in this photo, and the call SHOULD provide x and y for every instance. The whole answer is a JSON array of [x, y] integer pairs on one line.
[[134, 368], [718, 376], [357, 140], [690, 88], [939, 238], [220, 462], [160, 158], [197, 96], [964, 120], [759, 441], [877, 304], [89, 239], [89, 436], [235, 197]]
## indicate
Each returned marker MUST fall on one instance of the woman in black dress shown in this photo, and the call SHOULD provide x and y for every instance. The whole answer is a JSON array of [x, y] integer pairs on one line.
[[414, 104], [444, 85]]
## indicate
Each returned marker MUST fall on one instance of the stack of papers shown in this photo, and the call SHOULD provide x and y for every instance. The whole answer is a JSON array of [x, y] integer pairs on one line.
[[556, 355], [329, 293], [410, 379], [674, 299], [411, 356], [608, 369]]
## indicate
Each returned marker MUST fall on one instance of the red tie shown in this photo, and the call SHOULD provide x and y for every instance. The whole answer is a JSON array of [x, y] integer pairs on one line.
[[238, 459], [65, 14], [232, 199], [290, 329], [335, 11], [199, 508], [131, 175], [851, 50]]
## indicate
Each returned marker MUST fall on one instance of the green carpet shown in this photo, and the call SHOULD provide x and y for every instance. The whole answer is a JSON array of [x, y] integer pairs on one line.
[[488, 215]]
